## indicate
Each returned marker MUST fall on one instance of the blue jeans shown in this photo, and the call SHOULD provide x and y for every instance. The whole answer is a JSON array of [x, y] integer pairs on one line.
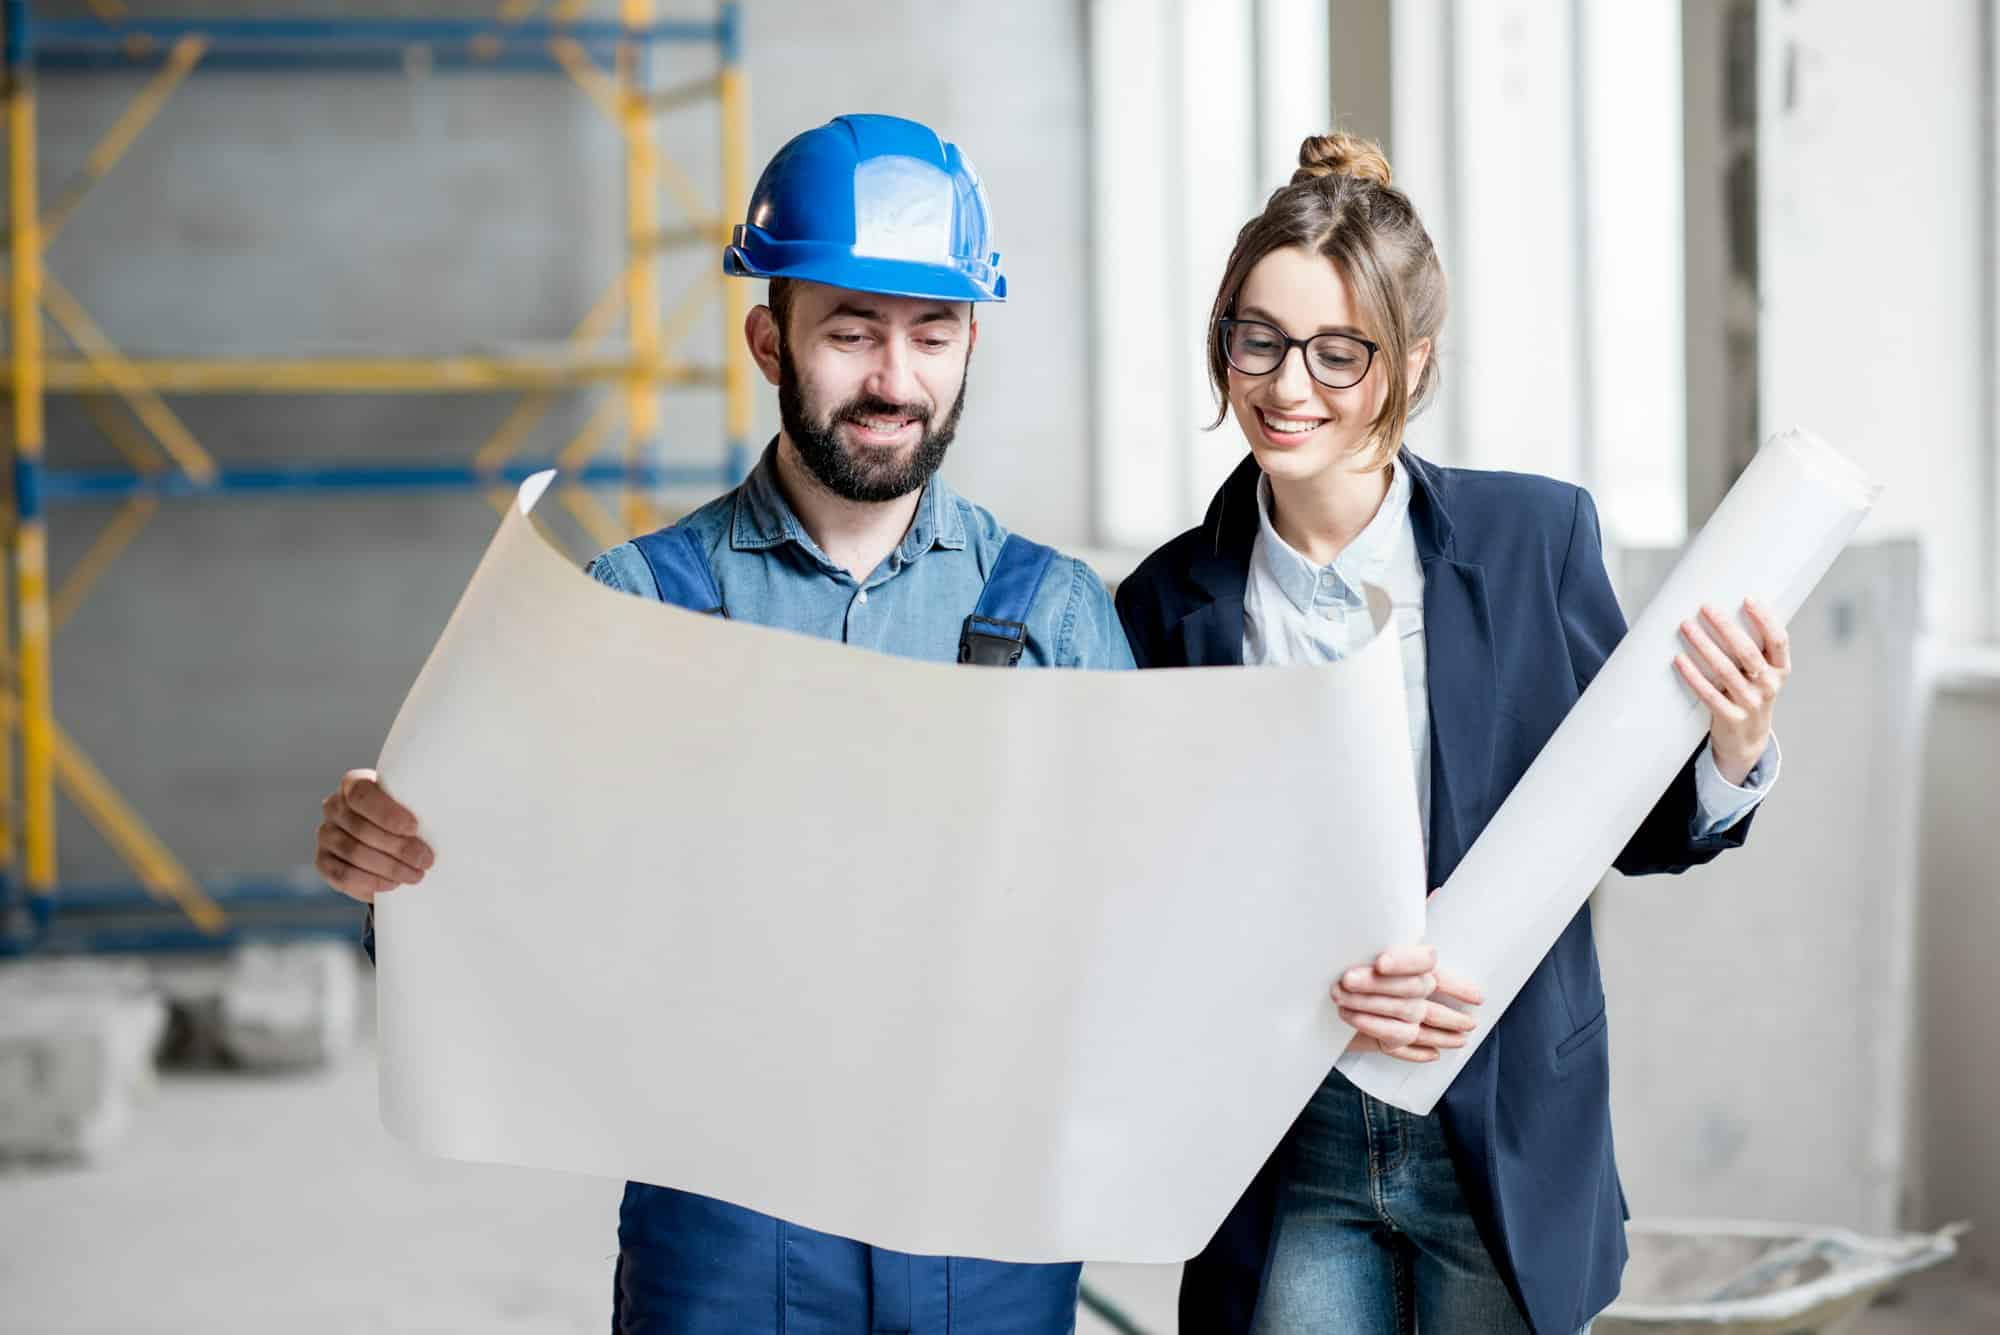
[[1372, 1233]]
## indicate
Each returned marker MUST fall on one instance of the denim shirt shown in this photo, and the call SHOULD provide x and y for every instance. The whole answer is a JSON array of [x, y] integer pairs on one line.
[[912, 605]]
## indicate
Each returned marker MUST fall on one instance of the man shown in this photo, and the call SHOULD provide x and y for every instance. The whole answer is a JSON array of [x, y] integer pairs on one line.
[[873, 233]]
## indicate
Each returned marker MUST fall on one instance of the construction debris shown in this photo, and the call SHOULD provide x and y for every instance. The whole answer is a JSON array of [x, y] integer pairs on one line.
[[76, 1054], [289, 1005], [1705, 1277]]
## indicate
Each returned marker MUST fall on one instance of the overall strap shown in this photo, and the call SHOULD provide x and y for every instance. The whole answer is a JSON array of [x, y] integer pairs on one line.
[[997, 631], [680, 571]]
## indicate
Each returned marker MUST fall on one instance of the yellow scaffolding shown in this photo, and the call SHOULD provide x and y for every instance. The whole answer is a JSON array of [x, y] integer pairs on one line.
[[607, 60]]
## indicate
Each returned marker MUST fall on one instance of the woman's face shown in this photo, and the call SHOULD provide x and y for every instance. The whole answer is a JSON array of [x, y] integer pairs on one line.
[[1297, 427]]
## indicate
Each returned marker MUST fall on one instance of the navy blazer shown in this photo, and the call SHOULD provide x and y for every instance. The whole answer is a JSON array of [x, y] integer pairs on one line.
[[1518, 617]]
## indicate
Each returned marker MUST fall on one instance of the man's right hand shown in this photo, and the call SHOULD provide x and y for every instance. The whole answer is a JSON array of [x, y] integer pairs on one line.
[[367, 840]]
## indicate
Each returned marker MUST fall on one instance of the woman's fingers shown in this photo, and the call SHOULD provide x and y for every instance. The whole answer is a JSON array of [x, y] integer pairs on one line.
[[1406, 960], [1744, 652], [1777, 643], [1441, 1030], [1414, 1053], [1410, 1010], [1459, 988], [1447, 1020], [1398, 1024], [1729, 672], [1364, 979], [1719, 705], [1390, 1034], [1418, 1053], [1394, 1014], [1721, 667]]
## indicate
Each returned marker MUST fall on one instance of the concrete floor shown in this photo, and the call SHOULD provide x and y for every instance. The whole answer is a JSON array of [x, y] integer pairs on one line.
[[247, 1203]]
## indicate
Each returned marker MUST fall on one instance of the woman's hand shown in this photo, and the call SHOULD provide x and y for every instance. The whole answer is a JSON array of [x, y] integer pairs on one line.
[[1389, 1003], [1740, 684]]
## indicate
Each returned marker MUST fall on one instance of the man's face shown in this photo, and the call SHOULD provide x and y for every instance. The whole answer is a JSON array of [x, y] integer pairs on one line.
[[870, 387]]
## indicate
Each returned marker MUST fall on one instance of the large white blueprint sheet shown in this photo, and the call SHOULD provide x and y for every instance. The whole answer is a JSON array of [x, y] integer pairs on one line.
[[1023, 965], [1772, 538]]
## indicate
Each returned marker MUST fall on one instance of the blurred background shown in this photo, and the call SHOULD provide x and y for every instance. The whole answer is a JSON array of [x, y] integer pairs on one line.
[[318, 282]]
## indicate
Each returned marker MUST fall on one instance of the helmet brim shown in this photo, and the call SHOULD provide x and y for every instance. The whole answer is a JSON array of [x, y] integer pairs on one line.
[[875, 274]]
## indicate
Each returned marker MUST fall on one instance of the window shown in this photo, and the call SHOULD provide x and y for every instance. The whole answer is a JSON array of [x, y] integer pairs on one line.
[[1194, 108]]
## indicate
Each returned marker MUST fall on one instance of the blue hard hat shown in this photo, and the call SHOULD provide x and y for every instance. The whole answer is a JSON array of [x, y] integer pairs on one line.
[[871, 204]]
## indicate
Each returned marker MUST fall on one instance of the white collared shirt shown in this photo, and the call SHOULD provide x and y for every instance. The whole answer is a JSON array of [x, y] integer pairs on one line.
[[1297, 612]]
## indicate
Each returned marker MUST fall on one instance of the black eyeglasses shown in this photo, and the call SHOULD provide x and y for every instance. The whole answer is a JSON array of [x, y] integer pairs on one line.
[[1338, 361]]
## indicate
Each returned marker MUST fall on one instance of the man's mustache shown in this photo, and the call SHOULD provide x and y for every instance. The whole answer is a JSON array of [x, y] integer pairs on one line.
[[856, 409]]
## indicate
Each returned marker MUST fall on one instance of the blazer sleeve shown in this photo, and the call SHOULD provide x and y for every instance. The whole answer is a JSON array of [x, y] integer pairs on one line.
[[1592, 624]]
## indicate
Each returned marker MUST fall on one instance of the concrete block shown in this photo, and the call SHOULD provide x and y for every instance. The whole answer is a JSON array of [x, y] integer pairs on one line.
[[289, 1005], [76, 1054]]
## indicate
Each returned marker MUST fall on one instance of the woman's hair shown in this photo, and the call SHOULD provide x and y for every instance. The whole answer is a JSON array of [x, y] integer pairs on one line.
[[1340, 204]]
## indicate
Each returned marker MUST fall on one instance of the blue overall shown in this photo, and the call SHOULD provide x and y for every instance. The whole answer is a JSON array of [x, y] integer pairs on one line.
[[690, 1265]]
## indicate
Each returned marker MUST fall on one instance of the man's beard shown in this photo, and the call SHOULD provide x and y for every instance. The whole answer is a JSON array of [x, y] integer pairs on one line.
[[850, 474]]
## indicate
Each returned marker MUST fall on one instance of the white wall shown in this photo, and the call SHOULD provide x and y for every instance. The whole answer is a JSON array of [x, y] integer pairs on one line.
[[1762, 1006], [1007, 83], [1958, 1061], [1989, 229], [1871, 187]]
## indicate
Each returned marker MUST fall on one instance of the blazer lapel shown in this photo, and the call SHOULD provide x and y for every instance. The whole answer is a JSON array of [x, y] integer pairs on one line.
[[1462, 675], [1212, 634], [1464, 691]]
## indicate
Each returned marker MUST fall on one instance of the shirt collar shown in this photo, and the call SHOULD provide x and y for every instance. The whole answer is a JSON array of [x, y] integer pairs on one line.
[[1364, 560], [764, 519], [939, 522]]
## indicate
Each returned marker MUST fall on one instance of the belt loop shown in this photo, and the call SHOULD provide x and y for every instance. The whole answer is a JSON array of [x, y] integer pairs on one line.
[[888, 1292]]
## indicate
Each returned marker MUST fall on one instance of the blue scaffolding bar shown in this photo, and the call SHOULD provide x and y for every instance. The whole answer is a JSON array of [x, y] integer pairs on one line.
[[86, 485], [348, 45], [59, 33], [404, 60], [124, 918]]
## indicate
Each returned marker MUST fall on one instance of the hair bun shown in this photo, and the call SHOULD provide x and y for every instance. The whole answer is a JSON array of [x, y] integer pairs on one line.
[[1341, 155]]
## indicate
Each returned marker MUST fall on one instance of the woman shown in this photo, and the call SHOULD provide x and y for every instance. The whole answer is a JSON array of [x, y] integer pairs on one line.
[[1502, 1211]]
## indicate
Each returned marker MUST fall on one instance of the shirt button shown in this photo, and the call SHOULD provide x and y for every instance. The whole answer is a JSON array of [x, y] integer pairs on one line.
[[1330, 613], [861, 597]]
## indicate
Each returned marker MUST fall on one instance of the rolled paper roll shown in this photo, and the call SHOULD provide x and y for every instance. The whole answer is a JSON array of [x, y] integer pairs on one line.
[[1772, 539]]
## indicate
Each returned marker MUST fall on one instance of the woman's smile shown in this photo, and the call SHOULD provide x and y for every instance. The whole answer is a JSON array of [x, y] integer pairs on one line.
[[1287, 430]]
